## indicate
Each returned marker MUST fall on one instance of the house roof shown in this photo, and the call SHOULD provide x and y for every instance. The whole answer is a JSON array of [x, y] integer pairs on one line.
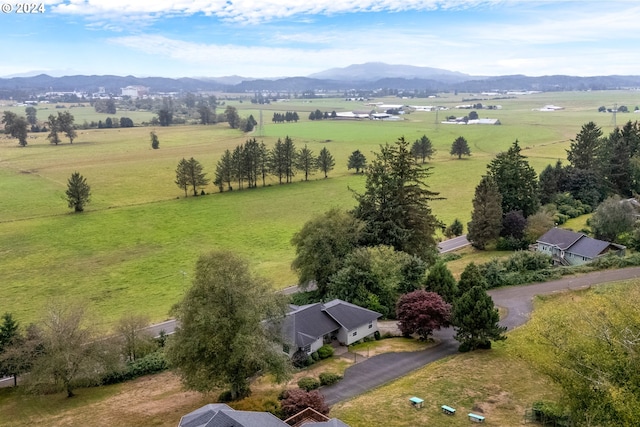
[[221, 415], [349, 316], [305, 324], [576, 243], [560, 237]]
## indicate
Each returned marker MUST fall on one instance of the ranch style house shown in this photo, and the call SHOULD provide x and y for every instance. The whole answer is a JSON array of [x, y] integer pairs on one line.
[[309, 327], [569, 248]]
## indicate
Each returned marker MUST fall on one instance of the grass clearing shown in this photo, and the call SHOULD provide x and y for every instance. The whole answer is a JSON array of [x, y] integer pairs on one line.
[[139, 238]]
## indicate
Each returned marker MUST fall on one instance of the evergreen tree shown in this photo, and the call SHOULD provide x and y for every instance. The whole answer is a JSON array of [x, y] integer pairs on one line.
[[306, 162], [460, 147], [441, 281], [182, 179], [475, 320], [277, 160], [584, 150], [516, 180], [551, 181], [423, 149], [78, 192], [195, 176], [290, 154], [325, 161], [486, 217], [357, 161], [395, 204], [470, 277], [224, 172]]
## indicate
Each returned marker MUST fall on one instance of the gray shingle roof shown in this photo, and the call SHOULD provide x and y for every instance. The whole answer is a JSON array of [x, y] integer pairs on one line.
[[348, 315], [305, 324], [560, 237], [221, 415], [576, 243]]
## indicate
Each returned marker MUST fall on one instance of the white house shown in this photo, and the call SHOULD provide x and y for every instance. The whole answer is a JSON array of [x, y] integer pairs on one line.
[[309, 327]]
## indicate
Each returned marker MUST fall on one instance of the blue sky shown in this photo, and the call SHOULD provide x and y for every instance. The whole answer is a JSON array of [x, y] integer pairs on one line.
[[273, 38]]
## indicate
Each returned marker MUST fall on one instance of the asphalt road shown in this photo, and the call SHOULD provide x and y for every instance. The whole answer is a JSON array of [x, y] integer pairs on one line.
[[453, 244], [517, 300]]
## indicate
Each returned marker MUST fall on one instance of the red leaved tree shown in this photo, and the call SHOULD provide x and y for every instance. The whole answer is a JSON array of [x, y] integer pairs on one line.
[[421, 312], [296, 400]]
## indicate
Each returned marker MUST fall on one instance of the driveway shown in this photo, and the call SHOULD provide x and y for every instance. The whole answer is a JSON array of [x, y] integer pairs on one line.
[[517, 300]]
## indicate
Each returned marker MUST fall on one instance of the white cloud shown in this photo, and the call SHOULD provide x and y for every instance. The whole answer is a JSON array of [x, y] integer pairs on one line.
[[249, 11]]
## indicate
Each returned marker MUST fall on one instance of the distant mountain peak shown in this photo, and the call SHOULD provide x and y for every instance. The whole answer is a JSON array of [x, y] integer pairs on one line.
[[372, 71]]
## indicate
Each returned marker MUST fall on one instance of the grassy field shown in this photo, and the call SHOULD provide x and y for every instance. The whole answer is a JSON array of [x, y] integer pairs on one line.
[[135, 246]]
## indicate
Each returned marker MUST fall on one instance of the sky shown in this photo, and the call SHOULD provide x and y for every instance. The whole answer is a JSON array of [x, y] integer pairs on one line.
[[285, 38]]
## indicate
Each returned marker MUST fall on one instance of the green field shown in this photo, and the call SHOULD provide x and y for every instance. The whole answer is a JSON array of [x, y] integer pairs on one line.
[[134, 247]]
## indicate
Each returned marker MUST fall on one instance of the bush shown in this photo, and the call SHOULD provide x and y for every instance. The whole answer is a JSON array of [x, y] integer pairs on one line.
[[464, 347], [325, 351], [225, 396], [150, 364], [376, 335], [527, 261], [510, 243], [315, 356], [296, 400], [308, 383], [328, 378]]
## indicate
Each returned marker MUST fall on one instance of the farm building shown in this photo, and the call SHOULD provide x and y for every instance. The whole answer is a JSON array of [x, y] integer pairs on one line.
[[569, 248]]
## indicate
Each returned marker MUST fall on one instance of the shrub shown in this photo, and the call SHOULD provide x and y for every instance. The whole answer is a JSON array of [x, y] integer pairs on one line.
[[308, 383], [325, 351], [296, 400], [376, 335], [149, 364], [464, 347], [328, 378], [527, 261], [225, 396], [315, 356]]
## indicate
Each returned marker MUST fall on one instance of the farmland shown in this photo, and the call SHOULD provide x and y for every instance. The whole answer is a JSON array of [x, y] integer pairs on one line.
[[134, 247]]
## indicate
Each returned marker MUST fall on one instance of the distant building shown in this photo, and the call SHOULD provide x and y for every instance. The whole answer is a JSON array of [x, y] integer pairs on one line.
[[569, 248], [134, 91]]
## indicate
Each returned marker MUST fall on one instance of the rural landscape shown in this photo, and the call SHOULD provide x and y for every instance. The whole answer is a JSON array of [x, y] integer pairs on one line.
[[249, 214]]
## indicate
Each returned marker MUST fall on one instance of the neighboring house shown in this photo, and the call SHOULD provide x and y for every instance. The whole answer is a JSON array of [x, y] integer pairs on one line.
[[309, 327], [569, 248], [221, 415]]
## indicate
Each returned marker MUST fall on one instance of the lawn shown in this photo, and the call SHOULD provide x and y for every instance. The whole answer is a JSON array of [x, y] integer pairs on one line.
[[140, 237]]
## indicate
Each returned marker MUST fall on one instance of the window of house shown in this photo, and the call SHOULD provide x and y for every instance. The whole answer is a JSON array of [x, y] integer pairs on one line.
[[307, 348], [355, 333], [370, 325]]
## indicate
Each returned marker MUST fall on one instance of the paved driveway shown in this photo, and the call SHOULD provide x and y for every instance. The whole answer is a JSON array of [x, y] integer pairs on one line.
[[517, 300]]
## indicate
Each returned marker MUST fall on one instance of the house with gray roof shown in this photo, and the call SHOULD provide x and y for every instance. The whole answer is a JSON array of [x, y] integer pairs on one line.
[[221, 415], [569, 248], [309, 327]]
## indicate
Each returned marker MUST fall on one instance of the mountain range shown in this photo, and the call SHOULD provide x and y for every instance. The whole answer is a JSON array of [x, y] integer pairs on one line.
[[363, 77]]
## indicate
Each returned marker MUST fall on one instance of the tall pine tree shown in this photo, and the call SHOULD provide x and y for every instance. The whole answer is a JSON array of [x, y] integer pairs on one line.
[[486, 218]]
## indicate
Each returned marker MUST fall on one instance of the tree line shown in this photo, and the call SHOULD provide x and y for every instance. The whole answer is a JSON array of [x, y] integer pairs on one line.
[[63, 122], [513, 207]]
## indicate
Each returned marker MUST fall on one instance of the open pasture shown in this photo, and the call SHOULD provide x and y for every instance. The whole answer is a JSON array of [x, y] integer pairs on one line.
[[135, 246]]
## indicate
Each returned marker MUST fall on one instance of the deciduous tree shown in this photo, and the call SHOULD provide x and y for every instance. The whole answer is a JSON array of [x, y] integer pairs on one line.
[[16, 127], [65, 124], [296, 400], [78, 192], [222, 339], [155, 142], [421, 312], [322, 245]]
